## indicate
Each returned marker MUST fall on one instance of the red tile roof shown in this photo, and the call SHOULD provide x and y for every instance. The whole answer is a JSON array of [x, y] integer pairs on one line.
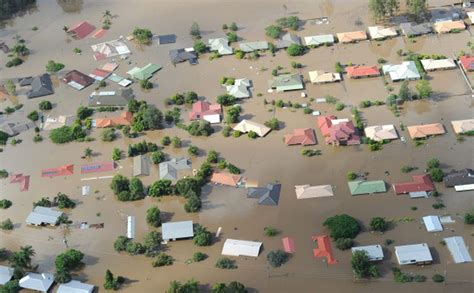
[[303, 136], [342, 133], [78, 77], [288, 245], [58, 171], [81, 30], [202, 108], [125, 118], [467, 62], [23, 180], [419, 183], [100, 72], [225, 178], [99, 34], [324, 249], [362, 71]]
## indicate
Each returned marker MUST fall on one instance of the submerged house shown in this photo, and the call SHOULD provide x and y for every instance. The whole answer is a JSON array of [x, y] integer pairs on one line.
[[419, 183], [183, 55], [462, 180], [40, 86], [286, 82], [286, 40], [366, 187], [458, 249], [438, 64], [144, 73], [41, 216], [206, 111], [374, 252], [351, 37], [319, 40], [425, 130], [360, 71], [81, 30], [221, 46], [225, 178], [37, 282], [172, 231], [78, 80], [301, 136], [109, 49], [248, 47], [56, 122], [338, 131], [141, 165], [463, 126], [74, 286], [405, 71], [240, 88], [234, 247], [6, 274], [411, 29], [171, 169], [467, 62], [381, 132], [413, 254], [245, 126], [118, 98], [268, 195], [448, 26], [308, 191], [432, 224], [320, 76], [125, 118], [381, 33]]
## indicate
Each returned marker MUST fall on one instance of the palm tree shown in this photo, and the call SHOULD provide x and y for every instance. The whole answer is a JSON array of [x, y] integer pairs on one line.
[[22, 259], [88, 152], [65, 28], [106, 14]]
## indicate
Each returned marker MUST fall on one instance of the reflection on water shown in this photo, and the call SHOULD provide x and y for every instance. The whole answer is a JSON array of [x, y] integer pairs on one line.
[[71, 6], [29, 9]]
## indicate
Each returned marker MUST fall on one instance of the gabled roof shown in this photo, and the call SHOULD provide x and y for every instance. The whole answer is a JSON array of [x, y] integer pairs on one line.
[[320, 76], [64, 170], [288, 245], [97, 167], [413, 253], [56, 122], [177, 230], [302, 136], [467, 62], [182, 55], [41, 86], [350, 37], [425, 130], [203, 108], [245, 126], [434, 64], [166, 39], [381, 132], [221, 45], [362, 71], [144, 73], [141, 165], [170, 169], [109, 49], [324, 249], [253, 46], [461, 177], [286, 82], [432, 224], [6, 274], [463, 126], [458, 249], [225, 178], [338, 131], [286, 40], [308, 191], [268, 195], [81, 30], [74, 286], [43, 215], [38, 282], [125, 118], [319, 40], [366, 187], [240, 88], [78, 80], [405, 71], [448, 26], [413, 29], [117, 98], [236, 247], [418, 183], [380, 32]]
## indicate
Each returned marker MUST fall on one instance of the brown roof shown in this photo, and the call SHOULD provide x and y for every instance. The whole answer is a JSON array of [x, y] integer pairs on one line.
[[125, 118], [78, 77], [349, 37], [422, 131], [225, 178], [303, 136]]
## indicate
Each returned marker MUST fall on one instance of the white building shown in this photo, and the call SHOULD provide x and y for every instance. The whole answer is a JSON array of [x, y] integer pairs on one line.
[[413, 254], [235, 247], [37, 282], [432, 224], [374, 252]]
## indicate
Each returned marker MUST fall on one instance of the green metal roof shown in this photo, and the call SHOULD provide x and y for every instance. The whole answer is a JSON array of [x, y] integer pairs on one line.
[[366, 187], [145, 72], [286, 82]]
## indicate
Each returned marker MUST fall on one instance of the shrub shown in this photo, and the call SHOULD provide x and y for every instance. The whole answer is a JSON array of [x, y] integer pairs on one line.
[[296, 64], [236, 133], [157, 157], [200, 47], [160, 188], [142, 35], [436, 174], [277, 258], [344, 243], [200, 128], [226, 131], [232, 114], [120, 243], [225, 263], [146, 84], [212, 157], [195, 31], [152, 243], [433, 163], [166, 140], [273, 31], [291, 22], [14, 62], [378, 224], [252, 134], [84, 112], [437, 278], [153, 216], [273, 124], [53, 67], [438, 206], [162, 259], [340, 106], [296, 50], [233, 27], [199, 256], [270, 231], [310, 152], [110, 282], [193, 204], [351, 175], [5, 204], [233, 169], [108, 135], [66, 134], [45, 105], [407, 169], [342, 226], [202, 237], [176, 142], [6, 225], [232, 37], [401, 277], [469, 218]]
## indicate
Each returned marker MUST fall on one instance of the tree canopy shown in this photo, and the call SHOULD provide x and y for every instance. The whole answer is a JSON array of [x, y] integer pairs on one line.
[[342, 226]]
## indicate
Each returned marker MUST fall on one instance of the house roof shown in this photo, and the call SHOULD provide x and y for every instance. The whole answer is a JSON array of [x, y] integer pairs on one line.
[[203, 108], [268, 195], [461, 177], [413, 253], [405, 70], [64, 170], [43, 215], [182, 55], [303, 136], [324, 249], [288, 245], [236, 247], [418, 183], [366, 187], [413, 29], [81, 30], [362, 71], [374, 252], [286, 40], [40, 86], [221, 45], [253, 46], [117, 98], [463, 126], [38, 282], [349, 37], [286, 82], [245, 126], [308, 191], [16, 128], [434, 64], [109, 49], [425, 130], [467, 62], [78, 80], [380, 32], [432, 224], [339, 131], [144, 73], [98, 167], [381, 132], [166, 39], [56, 122], [320, 76], [240, 88], [225, 178], [177, 230], [170, 169], [141, 165], [125, 118], [74, 286], [319, 40], [6, 274], [442, 27], [458, 249]]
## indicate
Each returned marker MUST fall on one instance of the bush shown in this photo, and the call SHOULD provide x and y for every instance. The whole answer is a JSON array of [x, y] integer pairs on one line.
[[226, 131], [233, 169], [351, 175], [226, 100], [273, 124], [200, 47], [340, 106], [236, 133], [6, 225], [438, 206], [437, 278], [176, 142], [277, 258], [33, 116], [378, 224], [296, 50], [162, 259], [212, 157], [66, 134], [119, 183], [296, 65], [469, 218], [152, 243], [191, 286], [226, 263], [160, 188], [344, 243], [108, 135], [433, 163], [195, 31], [407, 169], [361, 265], [134, 248], [166, 140], [273, 31], [146, 84], [193, 150], [84, 112], [436, 174], [310, 152], [153, 216], [233, 27], [142, 35], [401, 277], [120, 243], [141, 148], [202, 237], [252, 134], [110, 282], [14, 62], [270, 231], [5, 204], [342, 226], [232, 37], [53, 67], [291, 22], [157, 157], [200, 128], [3, 174], [199, 256]]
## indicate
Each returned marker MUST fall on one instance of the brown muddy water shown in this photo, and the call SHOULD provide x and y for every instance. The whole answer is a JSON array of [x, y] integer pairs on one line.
[[265, 159]]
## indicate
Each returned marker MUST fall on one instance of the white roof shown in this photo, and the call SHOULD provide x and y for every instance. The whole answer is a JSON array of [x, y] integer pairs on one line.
[[241, 247], [374, 252], [403, 71], [130, 227], [319, 76], [43, 215], [239, 89], [111, 48], [432, 224], [245, 126], [433, 64], [380, 32], [413, 253], [470, 14], [177, 230], [308, 191], [461, 126], [6, 274], [319, 40], [381, 132], [465, 187], [212, 118], [458, 249], [339, 121], [221, 45], [74, 286], [39, 282]]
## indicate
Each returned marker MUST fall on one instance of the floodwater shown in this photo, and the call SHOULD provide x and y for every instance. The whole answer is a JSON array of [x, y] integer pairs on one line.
[[265, 159]]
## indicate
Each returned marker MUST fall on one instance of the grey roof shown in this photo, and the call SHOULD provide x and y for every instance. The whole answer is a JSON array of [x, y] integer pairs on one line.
[[374, 252], [120, 97], [74, 286], [253, 46], [240, 88], [16, 128], [43, 215], [26, 81], [169, 169], [286, 40], [166, 39], [413, 29], [177, 230], [268, 195], [458, 249], [141, 165], [41, 86], [181, 55], [6, 274], [462, 177], [38, 282]]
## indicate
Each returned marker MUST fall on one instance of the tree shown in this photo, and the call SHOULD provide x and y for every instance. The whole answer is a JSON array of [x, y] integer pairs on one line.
[[166, 140], [382, 8], [233, 169], [276, 258], [212, 157], [417, 8], [232, 114], [404, 92], [469, 217], [119, 183], [53, 67], [108, 135], [162, 259], [116, 154], [296, 50], [424, 88], [137, 190], [21, 259], [160, 188], [291, 22], [436, 174], [10, 87], [351, 175], [193, 150], [437, 278], [225, 263], [5, 204], [111, 283], [273, 124], [378, 224], [200, 47], [233, 27], [153, 216], [342, 226], [232, 37], [88, 152], [344, 243], [273, 31], [63, 201], [6, 224], [176, 142], [195, 31], [270, 231], [202, 237], [199, 256], [361, 265], [142, 35], [11, 286], [65, 263], [186, 185], [153, 118], [33, 116], [157, 157], [193, 204], [146, 84], [45, 105], [433, 163], [152, 243], [84, 112], [200, 128], [226, 100]]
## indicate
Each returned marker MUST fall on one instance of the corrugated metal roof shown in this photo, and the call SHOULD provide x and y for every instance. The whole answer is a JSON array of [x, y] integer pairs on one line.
[[177, 230], [458, 249], [236, 247]]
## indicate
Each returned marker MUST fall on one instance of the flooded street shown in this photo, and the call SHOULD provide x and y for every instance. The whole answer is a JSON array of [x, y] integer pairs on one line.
[[267, 159]]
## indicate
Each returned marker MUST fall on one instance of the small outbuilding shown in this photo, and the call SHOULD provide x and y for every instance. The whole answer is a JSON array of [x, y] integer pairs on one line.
[[74, 286], [413, 254], [236, 247], [458, 249], [177, 230], [43, 216], [432, 224], [374, 252], [141, 165]]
